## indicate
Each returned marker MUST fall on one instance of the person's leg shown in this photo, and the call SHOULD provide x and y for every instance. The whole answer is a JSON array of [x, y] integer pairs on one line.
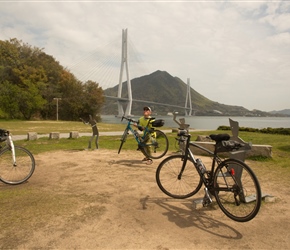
[[148, 149], [97, 141], [90, 142]]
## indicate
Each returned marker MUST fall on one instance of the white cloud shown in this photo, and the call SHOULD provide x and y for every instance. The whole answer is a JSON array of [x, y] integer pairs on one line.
[[233, 52]]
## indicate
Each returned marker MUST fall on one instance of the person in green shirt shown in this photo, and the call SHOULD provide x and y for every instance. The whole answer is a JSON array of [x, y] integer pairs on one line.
[[142, 123]]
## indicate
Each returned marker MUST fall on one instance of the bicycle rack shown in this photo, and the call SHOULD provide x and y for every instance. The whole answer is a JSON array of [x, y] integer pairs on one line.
[[241, 155]]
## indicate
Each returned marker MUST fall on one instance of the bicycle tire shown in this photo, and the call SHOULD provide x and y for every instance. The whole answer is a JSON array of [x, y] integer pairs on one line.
[[123, 139], [243, 200], [167, 178], [19, 173], [157, 147]]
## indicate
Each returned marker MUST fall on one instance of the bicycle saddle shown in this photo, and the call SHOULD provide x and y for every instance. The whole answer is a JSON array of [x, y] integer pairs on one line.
[[220, 137]]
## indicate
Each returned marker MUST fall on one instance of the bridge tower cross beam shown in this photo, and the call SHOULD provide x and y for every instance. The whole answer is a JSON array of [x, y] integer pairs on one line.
[[124, 63], [188, 100]]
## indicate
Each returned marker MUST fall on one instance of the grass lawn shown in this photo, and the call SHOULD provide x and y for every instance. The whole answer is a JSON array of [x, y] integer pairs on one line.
[[280, 143]]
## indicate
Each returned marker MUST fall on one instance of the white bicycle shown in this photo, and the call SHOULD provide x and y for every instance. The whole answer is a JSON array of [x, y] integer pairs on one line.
[[17, 164]]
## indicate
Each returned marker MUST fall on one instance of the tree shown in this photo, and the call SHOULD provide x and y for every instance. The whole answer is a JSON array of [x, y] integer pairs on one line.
[[71, 96], [93, 98], [8, 99], [31, 79], [24, 81]]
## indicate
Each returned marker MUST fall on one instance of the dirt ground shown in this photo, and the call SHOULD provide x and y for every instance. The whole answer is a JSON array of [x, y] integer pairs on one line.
[[98, 199]]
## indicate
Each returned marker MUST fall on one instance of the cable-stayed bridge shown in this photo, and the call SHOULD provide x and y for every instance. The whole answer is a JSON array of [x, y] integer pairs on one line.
[[103, 66], [125, 100]]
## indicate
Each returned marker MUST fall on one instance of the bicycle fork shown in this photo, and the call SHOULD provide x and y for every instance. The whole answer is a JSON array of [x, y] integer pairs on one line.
[[184, 161], [11, 146]]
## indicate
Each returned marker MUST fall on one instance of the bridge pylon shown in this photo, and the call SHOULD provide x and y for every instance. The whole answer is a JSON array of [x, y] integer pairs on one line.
[[124, 63], [188, 100]]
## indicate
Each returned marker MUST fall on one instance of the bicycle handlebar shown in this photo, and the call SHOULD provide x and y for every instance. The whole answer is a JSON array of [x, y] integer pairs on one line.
[[232, 145], [4, 132], [128, 119], [137, 122], [4, 135], [183, 132]]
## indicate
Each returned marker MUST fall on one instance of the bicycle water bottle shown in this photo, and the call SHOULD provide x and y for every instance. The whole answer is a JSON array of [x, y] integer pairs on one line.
[[200, 166]]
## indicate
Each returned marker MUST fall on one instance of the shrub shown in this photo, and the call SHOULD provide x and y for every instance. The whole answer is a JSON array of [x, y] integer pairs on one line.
[[280, 131]]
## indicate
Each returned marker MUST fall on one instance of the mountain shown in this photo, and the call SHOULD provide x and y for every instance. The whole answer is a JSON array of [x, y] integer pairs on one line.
[[161, 87], [281, 112]]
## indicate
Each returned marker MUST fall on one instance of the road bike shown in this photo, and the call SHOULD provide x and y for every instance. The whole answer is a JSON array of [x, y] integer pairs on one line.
[[153, 142], [231, 181], [17, 164]]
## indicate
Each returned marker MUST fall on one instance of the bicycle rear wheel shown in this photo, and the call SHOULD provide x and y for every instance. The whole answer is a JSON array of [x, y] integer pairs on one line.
[[123, 139], [157, 145], [173, 185], [21, 171], [237, 190]]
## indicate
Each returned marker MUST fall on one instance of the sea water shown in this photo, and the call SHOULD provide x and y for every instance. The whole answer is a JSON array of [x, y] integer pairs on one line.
[[213, 122]]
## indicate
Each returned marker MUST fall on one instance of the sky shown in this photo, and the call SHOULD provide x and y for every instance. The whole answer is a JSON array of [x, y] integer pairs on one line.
[[232, 52]]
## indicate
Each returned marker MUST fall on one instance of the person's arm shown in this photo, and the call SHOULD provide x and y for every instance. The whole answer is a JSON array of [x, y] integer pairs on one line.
[[141, 128], [137, 125], [84, 121]]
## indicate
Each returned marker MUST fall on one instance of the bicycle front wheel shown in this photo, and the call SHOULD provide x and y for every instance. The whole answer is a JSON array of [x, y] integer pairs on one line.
[[157, 145], [18, 172], [174, 184], [123, 139], [237, 190]]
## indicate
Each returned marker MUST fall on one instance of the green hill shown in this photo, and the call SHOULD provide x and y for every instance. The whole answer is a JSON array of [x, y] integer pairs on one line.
[[161, 87]]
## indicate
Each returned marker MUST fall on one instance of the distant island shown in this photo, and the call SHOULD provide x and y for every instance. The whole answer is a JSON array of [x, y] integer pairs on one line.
[[281, 112]]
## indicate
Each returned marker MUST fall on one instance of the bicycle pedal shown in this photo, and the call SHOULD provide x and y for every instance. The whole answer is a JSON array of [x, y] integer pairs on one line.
[[206, 202]]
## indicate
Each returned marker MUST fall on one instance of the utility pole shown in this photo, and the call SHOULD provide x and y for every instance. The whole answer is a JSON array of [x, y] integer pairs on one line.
[[57, 99]]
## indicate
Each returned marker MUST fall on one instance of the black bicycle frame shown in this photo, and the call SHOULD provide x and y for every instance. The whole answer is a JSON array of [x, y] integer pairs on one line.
[[207, 177]]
